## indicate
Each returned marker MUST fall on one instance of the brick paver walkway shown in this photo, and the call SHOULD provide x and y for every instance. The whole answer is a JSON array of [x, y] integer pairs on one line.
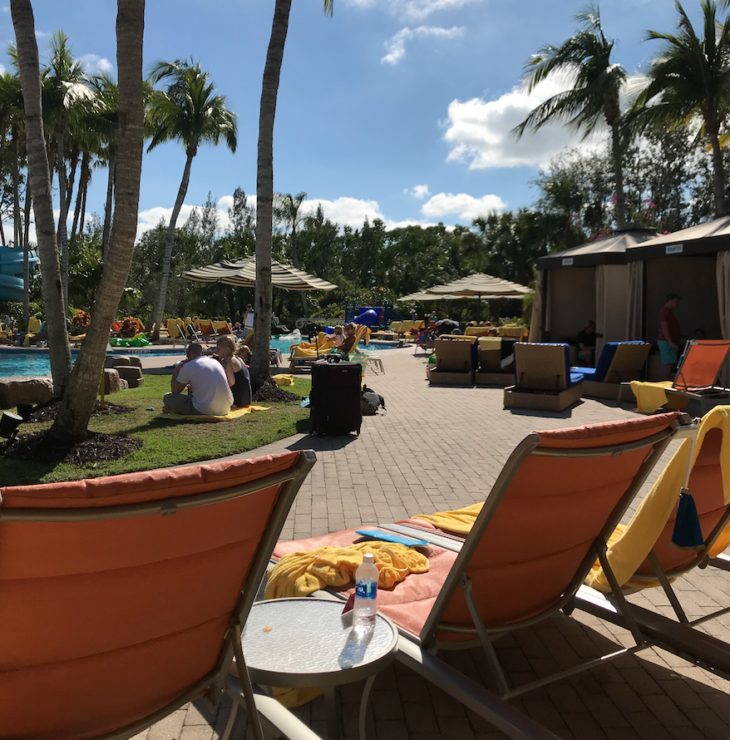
[[442, 448]]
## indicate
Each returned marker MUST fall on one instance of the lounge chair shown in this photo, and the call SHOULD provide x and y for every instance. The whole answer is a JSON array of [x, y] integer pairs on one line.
[[456, 358], [221, 327], [543, 378], [548, 516], [115, 612], [496, 361], [619, 362], [697, 378]]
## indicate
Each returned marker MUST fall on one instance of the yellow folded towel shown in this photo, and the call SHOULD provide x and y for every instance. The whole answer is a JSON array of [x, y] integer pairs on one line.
[[303, 573], [629, 545], [283, 379], [650, 396], [458, 521], [230, 416]]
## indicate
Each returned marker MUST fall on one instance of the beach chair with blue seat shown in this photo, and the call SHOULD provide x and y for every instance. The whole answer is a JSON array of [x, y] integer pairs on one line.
[[544, 380], [619, 362]]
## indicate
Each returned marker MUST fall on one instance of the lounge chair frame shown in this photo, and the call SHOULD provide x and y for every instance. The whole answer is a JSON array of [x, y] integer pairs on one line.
[[213, 684], [466, 549]]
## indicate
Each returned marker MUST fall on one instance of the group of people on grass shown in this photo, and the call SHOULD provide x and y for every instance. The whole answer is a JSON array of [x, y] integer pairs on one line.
[[216, 384]]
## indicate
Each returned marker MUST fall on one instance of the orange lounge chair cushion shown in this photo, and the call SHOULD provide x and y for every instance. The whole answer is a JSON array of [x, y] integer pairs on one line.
[[93, 606], [702, 365]]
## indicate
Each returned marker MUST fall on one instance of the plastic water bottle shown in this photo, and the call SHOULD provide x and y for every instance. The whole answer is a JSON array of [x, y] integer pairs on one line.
[[366, 593]]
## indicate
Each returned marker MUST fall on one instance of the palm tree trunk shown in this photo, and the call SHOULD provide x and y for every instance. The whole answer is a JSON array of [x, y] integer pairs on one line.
[[83, 205], [74, 163], [40, 180], [80, 193], [18, 226], [295, 259], [618, 174], [265, 193], [63, 208], [2, 234], [159, 307], [108, 208], [75, 412], [26, 255], [718, 175]]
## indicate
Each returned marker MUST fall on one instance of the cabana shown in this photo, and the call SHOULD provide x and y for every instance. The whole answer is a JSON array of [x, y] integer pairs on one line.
[[695, 263], [583, 283]]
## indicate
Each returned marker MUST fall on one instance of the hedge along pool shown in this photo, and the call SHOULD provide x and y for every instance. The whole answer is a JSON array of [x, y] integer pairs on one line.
[[21, 362]]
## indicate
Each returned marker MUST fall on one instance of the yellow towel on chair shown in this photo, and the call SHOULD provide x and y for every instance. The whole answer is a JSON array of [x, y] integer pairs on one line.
[[650, 396], [303, 573], [230, 416], [458, 521], [629, 545]]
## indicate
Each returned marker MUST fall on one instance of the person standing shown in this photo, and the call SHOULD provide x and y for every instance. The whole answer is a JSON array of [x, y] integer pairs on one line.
[[586, 341], [669, 336]]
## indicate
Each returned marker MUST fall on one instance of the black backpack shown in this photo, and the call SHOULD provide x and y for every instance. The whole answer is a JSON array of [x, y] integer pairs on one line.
[[370, 402]]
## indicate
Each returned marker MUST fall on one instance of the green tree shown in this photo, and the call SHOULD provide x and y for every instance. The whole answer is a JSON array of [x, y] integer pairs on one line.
[[265, 188], [78, 401], [188, 111], [40, 180], [689, 80], [595, 94]]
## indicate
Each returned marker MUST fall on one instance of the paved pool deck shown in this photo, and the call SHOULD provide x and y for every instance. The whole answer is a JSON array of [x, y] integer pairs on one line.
[[442, 448]]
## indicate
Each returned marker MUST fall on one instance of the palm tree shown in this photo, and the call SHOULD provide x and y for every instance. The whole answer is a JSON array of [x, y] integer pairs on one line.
[[190, 112], [40, 181], [78, 402], [265, 188], [595, 94], [689, 80], [64, 99], [288, 208]]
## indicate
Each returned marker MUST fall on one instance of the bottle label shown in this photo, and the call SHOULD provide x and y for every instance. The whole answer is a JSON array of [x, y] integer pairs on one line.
[[366, 590]]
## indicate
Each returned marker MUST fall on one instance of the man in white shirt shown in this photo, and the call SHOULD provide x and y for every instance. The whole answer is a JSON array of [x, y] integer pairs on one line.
[[211, 395], [248, 318]]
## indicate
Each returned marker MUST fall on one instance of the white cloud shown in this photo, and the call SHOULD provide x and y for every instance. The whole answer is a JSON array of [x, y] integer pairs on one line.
[[418, 191], [480, 132], [42, 34], [396, 45], [463, 205], [420, 9], [94, 64], [416, 10]]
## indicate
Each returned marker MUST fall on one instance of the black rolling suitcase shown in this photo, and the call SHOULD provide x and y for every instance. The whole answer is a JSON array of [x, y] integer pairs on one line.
[[334, 401]]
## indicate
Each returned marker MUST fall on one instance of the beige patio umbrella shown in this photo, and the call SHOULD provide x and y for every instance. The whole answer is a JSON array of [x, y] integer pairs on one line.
[[242, 272], [480, 285]]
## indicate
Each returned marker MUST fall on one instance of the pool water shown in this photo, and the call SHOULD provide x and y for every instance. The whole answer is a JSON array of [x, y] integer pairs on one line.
[[27, 363], [32, 363]]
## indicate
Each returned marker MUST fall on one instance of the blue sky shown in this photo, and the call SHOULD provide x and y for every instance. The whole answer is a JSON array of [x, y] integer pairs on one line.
[[399, 110]]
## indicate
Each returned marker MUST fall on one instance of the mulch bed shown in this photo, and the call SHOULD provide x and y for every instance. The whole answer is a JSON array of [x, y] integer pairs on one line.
[[271, 392], [48, 411], [41, 447]]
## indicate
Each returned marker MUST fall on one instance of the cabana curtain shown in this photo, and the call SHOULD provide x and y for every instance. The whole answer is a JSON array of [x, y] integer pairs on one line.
[[723, 292], [634, 317], [537, 308], [600, 307]]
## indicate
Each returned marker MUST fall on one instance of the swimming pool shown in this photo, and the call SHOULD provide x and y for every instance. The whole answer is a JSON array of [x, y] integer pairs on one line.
[[38, 363], [32, 362]]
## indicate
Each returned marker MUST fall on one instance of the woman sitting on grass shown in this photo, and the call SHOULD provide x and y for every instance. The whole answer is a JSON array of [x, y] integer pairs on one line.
[[236, 371]]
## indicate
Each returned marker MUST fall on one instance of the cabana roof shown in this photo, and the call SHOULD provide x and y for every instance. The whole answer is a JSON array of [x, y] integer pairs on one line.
[[609, 251], [706, 238]]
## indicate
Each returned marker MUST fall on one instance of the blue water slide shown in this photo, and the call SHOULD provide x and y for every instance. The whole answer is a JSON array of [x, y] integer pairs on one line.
[[11, 272]]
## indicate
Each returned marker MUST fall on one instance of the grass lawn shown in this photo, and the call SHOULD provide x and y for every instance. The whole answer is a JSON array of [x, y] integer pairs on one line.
[[166, 443]]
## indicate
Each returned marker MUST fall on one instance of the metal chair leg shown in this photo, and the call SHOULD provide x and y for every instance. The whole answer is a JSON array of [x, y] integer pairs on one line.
[[364, 704]]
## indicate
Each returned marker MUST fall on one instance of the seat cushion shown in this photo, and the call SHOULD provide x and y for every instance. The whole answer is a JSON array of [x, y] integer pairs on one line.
[[576, 378], [588, 373]]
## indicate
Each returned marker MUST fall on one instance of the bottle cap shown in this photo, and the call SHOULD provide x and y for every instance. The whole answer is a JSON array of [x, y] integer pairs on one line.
[[368, 558]]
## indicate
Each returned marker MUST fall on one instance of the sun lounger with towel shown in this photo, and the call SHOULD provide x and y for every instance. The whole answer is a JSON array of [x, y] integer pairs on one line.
[[548, 516], [697, 377], [543, 378], [124, 598]]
